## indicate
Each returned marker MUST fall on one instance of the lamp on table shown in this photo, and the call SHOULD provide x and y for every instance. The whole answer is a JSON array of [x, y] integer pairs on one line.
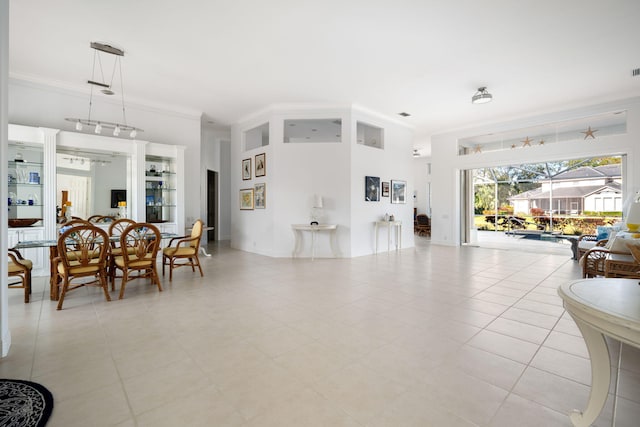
[[316, 210]]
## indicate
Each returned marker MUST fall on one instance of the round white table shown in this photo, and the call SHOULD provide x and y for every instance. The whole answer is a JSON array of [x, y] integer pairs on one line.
[[602, 307]]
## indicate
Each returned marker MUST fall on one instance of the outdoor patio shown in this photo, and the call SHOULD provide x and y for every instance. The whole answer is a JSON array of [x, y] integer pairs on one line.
[[501, 240]]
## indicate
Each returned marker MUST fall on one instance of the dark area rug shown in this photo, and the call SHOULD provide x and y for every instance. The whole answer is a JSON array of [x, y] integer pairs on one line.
[[24, 404]]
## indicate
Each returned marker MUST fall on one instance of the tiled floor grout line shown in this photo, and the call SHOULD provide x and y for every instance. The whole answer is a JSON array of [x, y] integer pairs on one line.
[[528, 364]]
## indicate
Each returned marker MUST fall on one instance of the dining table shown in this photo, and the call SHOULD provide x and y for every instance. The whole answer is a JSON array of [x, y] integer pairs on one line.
[[52, 244]]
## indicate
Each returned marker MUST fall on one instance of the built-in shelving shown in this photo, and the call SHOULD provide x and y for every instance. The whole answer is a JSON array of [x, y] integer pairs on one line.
[[160, 190]]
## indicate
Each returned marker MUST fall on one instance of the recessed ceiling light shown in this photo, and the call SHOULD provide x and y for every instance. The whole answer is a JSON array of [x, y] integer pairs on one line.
[[403, 114]]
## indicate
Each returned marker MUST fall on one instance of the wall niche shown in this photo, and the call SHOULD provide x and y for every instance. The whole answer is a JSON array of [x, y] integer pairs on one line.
[[256, 137], [371, 136]]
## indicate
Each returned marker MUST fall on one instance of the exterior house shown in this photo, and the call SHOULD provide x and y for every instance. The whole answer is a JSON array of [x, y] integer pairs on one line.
[[584, 189]]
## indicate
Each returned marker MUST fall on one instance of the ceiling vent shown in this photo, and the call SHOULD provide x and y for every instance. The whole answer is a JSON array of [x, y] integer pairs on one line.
[[635, 72]]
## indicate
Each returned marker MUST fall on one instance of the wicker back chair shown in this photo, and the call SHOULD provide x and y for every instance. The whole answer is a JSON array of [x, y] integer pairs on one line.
[[82, 253], [423, 225], [139, 244]]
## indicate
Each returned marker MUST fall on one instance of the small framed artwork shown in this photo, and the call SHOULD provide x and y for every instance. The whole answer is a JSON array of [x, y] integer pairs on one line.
[[372, 188], [261, 165], [385, 189], [246, 199], [260, 195], [398, 191], [246, 169]]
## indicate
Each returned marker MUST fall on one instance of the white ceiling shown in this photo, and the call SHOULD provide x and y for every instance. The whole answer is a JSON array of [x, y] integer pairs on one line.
[[228, 59]]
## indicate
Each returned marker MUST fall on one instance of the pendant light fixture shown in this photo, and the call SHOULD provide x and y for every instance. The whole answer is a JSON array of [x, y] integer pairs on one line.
[[107, 89], [481, 96]]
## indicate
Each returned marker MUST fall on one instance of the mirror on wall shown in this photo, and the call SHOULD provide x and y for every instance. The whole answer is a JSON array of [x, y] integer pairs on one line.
[[86, 178]]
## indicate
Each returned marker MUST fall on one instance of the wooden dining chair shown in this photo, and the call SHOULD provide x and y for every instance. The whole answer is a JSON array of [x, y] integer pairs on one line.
[[139, 244], [115, 230], [423, 225], [101, 219], [82, 253], [186, 248], [20, 267]]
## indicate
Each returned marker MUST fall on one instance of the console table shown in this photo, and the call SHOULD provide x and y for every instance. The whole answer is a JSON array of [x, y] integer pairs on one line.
[[602, 307], [313, 229], [397, 226]]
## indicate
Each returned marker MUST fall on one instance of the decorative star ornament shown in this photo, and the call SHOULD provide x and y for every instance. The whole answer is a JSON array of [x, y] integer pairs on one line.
[[589, 133], [477, 149], [513, 146], [526, 142], [541, 142]]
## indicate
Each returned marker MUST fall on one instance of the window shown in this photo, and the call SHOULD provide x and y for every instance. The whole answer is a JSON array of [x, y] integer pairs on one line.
[[580, 129], [312, 130]]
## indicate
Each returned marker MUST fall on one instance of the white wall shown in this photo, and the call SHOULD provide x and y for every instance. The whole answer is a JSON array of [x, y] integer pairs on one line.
[[40, 105], [297, 172], [5, 333], [392, 163], [446, 164]]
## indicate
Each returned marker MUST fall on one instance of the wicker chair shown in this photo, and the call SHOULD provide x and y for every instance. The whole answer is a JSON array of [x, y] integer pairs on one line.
[[423, 225], [139, 244], [20, 267], [593, 262], [82, 253], [587, 242], [186, 248], [116, 229], [101, 219]]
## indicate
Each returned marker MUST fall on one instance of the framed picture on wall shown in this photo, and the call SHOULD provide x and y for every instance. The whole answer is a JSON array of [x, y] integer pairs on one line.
[[385, 189], [260, 195], [372, 188], [398, 191], [246, 199], [246, 169], [261, 165]]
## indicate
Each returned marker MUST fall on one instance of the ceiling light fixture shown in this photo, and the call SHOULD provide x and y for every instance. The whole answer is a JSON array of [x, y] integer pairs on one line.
[[83, 160], [107, 90], [481, 96]]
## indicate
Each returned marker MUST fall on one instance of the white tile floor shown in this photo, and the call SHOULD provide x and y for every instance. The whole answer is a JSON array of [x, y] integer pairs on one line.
[[432, 336]]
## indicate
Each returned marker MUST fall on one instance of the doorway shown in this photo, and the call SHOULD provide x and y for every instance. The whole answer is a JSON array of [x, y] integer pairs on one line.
[[212, 205], [536, 201]]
